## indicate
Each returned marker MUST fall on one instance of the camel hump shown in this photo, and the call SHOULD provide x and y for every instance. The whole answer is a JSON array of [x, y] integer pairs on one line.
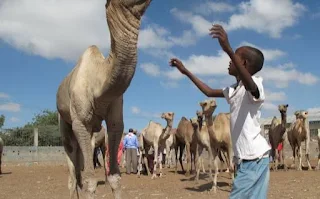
[[184, 118]]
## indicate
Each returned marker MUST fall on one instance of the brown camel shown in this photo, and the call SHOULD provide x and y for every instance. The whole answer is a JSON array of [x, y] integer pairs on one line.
[[93, 92], [296, 135], [203, 142], [220, 136], [185, 138], [155, 136], [277, 135]]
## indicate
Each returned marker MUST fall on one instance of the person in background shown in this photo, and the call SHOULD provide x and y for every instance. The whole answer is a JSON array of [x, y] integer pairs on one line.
[[130, 143]]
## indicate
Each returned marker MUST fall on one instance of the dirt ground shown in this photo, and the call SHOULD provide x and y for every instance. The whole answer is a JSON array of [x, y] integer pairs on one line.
[[30, 180]]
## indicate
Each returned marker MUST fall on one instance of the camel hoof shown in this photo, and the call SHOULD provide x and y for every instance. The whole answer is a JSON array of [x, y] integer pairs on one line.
[[213, 190], [161, 175], [154, 176], [187, 173]]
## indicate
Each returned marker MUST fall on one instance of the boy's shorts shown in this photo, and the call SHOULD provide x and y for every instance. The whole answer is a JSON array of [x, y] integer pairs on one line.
[[252, 180]]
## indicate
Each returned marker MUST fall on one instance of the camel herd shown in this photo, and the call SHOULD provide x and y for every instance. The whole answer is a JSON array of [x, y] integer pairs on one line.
[[297, 133]]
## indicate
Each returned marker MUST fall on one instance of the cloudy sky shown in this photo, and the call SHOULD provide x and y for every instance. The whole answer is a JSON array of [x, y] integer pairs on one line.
[[40, 41]]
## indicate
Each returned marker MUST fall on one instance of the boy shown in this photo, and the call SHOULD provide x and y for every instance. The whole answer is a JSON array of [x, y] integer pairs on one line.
[[245, 97]]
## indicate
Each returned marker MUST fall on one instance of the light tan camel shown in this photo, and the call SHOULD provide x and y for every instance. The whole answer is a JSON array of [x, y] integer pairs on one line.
[[170, 144], [299, 133], [318, 137], [155, 136], [277, 135], [93, 92], [203, 142], [220, 136], [1, 150], [185, 138]]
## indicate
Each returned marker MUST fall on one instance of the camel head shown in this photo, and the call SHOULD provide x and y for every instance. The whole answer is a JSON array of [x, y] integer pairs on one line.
[[136, 7], [303, 115], [283, 108], [168, 116], [194, 121], [208, 106]]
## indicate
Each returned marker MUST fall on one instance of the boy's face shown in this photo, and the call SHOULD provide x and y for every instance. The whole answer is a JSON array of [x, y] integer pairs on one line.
[[232, 69]]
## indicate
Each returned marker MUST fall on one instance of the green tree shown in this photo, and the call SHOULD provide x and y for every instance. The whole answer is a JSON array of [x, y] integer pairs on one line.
[[46, 117], [2, 120]]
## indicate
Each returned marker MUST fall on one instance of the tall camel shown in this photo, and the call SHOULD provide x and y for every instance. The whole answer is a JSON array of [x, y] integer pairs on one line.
[[220, 136], [299, 133], [170, 145], [277, 135], [185, 138], [203, 142], [155, 136], [93, 92], [1, 150]]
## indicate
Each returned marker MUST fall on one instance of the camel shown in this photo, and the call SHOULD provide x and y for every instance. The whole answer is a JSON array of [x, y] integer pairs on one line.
[[155, 136], [93, 92], [203, 142], [318, 137], [170, 145], [297, 134], [277, 135], [185, 138], [1, 150], [220, 136]]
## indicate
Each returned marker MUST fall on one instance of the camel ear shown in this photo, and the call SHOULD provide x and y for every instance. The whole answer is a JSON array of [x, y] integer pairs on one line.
[[287, 105]]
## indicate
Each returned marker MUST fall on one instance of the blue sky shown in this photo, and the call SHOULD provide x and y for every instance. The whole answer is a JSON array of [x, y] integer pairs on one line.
[[40, 41]]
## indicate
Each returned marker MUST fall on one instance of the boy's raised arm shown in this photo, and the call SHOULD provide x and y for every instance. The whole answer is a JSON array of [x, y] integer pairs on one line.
[[209, 92], [217, 31]]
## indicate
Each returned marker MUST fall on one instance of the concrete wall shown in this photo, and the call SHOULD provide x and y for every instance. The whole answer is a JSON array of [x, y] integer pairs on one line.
[[33, 154]]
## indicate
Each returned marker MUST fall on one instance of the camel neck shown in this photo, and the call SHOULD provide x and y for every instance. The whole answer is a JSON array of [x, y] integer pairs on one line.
[[209, 120], [283, 120]]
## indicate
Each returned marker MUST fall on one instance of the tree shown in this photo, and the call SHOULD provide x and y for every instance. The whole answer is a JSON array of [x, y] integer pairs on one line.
[[45, 118], [2, 120]]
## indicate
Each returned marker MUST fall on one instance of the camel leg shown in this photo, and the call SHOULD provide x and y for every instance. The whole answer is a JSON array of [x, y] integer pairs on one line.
[[294, 156], [216, 172], [307, 142], [210, 164], [318, 166], [276, 160], [155, 161], [167, 157], [71, 147], [198, 159], [84, 135], [188, 159], [160, 161], [202, 165], [229, 161], [300, 158], [115, 129]]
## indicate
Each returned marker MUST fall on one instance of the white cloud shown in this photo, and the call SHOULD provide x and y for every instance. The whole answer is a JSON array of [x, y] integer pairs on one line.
[[14, 119], [199, 24], [49, 28], [210, 7], [54, 29], [275, 96], [269, 106], [315, 111], [10, 107], [203, 65], [4, 95], [151, 69], [269, 54], [270, 17], [281, 76], [135, 110], [169, 84]]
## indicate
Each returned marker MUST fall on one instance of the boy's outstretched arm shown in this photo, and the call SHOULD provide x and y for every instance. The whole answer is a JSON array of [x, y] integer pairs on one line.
[[209, 92], [217, 31]]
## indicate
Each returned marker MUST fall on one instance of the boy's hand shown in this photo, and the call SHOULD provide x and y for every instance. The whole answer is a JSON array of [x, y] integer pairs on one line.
[[217, 31], [178, 64]]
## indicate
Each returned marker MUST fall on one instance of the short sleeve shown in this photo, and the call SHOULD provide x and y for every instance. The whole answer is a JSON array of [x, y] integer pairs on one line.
[[259, 82], [227, 92]]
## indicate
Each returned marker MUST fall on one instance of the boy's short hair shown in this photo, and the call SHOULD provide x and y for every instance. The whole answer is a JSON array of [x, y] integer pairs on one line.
[[255, 58], [130, 130]]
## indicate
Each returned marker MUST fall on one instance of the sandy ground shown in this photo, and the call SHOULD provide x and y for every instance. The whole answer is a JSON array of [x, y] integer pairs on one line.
[[30, 180]]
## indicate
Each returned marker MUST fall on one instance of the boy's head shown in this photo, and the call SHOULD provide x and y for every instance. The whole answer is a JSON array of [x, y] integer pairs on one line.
[[252, 58]]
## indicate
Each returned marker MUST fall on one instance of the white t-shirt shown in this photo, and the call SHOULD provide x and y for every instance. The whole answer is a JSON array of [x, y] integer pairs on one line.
[[245, 113]]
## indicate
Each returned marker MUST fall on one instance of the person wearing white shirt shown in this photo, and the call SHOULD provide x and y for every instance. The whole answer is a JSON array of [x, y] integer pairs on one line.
[[245, 97]]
